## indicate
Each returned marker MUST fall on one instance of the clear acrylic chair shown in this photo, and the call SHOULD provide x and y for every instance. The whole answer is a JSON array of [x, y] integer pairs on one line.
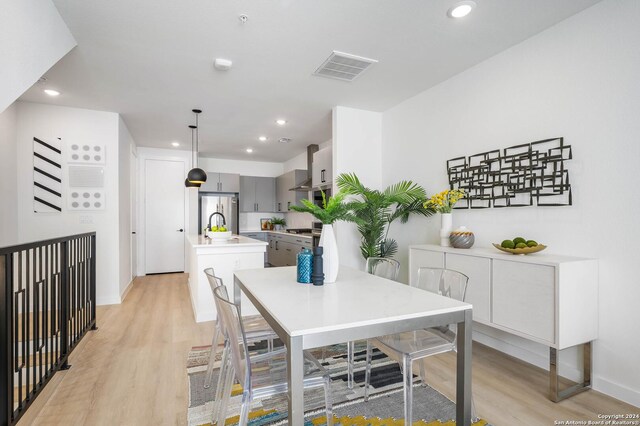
[[382, 267], [255, 326], [269, 377], [419, 344]]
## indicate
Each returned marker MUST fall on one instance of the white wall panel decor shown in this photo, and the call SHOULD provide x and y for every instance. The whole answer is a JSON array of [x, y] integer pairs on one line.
[[47, 175]]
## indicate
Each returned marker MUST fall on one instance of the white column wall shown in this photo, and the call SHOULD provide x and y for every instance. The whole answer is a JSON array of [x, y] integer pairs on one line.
[[8, 180], [72, 125], [357, 141]]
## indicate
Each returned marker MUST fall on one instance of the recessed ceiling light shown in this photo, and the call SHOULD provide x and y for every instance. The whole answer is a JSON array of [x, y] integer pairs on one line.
[[249, 150], [51, 92], [175, 143], [281, 122], [262, 138], [461, 9], [284, 140]]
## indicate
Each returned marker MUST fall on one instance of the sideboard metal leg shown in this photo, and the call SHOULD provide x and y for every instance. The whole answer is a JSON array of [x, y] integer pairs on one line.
[[556, 394]]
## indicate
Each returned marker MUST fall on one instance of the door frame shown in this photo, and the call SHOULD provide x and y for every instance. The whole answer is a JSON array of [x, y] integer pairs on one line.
[[133, 213], [163, 155]]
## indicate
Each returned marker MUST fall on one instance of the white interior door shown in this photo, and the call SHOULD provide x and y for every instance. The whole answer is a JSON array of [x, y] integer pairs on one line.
[[164, 216], [133, 191]]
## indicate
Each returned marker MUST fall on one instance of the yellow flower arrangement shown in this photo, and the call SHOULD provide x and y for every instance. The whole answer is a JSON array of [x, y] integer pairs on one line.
[[443, 202]]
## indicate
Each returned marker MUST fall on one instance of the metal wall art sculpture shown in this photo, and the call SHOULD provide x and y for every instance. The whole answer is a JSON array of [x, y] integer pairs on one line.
[[522, 175]]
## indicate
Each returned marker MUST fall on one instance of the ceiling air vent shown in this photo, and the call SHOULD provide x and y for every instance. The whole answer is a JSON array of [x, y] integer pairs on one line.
[[343, 66]]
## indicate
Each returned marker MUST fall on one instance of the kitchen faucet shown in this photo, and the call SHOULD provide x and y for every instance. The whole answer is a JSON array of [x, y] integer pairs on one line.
[[224, 222]]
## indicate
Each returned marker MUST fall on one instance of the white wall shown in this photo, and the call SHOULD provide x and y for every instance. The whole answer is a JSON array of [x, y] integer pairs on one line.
[[579, 80], [243, 167], [33, 37], [72, 125], [8, 181], [300, 160], [357, 141], [125, 145]]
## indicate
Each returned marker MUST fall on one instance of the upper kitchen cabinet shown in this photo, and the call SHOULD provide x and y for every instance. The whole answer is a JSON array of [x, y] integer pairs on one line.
[[286, 198], [221, 182], [322, 174], [257, 194]]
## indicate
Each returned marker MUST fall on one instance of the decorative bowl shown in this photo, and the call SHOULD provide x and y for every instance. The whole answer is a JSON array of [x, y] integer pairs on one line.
[[462, 238], [220, 236], [524, 250]]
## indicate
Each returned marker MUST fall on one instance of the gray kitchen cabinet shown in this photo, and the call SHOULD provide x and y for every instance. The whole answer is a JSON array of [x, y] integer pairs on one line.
[[247, 194], [221, 182], [257, 194], [285, 198], [283, 249], [229, 182], [265, 194], [262, 236], [322, 174]]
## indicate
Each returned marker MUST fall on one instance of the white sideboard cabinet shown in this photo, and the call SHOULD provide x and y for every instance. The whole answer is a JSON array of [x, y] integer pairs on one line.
[[546, 298]]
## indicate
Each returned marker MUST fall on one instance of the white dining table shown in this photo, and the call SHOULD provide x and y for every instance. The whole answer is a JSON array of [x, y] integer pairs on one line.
[[357, 306]]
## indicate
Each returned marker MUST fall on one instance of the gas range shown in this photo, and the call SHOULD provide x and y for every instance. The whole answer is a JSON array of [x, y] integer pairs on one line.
[[299, 231]]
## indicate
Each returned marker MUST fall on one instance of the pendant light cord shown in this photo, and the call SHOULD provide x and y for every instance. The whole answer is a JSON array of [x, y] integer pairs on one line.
[[195, 154]]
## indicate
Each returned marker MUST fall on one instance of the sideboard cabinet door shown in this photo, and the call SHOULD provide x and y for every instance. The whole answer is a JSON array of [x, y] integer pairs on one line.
[[524, 298], [423, 258], [478, 269]]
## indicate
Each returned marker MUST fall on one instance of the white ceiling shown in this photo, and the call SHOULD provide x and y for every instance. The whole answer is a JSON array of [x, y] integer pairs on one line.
[[152, 61]]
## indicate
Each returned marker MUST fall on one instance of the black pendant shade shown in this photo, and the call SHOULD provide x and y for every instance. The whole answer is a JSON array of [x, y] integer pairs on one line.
[[196, 176], [188, 184]]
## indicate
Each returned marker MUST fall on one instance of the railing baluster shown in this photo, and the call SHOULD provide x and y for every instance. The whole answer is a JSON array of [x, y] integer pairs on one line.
[[47, 302], [6, 318], [92, 282]]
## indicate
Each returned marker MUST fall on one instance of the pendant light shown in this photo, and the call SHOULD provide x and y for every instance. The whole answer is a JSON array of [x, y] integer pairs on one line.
[[186, 181], [196, 175]]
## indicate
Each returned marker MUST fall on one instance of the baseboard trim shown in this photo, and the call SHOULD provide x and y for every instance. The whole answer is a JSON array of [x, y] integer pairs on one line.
[[615, 390], [109, 301], [126, 290]]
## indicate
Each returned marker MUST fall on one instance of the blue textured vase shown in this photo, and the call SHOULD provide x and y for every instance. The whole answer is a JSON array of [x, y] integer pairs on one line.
[[305, 266]]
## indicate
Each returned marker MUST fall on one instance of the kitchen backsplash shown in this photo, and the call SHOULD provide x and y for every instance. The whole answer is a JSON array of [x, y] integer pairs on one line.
[[251, 221], [299, 220]]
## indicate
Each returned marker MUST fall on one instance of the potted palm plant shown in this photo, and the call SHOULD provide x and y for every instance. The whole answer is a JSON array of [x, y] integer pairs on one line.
[[332, 210], [374, 211], [278, 222]]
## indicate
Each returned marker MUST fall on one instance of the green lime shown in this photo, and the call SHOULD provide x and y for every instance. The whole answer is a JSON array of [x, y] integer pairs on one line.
[[531, 243], [521, 245], [518, 240], [508, 244]]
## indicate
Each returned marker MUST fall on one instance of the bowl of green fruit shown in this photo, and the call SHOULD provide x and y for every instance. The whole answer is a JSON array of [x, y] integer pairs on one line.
[[520, 245], [219, 233]]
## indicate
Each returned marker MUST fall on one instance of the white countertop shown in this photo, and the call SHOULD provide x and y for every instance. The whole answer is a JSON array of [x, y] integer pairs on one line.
[[305, 236], [541, 257], [199, 241]]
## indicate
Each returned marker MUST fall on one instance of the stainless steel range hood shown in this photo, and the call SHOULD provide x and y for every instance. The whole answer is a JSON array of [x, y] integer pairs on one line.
[[307, 184]]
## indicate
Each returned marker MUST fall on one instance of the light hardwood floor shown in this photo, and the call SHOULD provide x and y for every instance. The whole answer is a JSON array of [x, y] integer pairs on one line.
[[132, 371]]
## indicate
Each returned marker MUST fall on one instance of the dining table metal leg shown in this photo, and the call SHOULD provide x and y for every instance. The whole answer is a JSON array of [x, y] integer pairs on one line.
[[295, 376], [463, 373]]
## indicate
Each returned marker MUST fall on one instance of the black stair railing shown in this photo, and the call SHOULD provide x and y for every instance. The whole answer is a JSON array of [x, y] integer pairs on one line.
[[48, 304]]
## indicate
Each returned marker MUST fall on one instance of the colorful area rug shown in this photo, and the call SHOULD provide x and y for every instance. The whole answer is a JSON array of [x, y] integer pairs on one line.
[[384, 408]]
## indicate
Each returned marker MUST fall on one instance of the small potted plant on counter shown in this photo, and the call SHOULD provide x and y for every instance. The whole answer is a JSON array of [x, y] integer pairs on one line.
[[278, 223]]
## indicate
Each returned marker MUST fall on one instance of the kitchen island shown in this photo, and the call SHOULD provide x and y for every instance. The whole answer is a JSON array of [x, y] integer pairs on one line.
[[225, 257]]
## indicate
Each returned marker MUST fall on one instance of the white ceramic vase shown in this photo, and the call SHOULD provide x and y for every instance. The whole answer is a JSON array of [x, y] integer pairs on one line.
[[329, 253], [446, 226]]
